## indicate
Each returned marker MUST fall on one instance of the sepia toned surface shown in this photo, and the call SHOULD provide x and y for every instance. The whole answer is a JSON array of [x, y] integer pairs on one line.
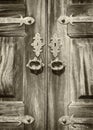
[[47, 96]]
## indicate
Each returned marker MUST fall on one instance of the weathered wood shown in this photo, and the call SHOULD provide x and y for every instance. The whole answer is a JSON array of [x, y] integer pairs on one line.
[[11, 1], [82, 68], [12, 10], [10, 108], [81, 1], [35, 86], [8, 126], [81, 109], [57, 84], [80, 29], [10, 70]]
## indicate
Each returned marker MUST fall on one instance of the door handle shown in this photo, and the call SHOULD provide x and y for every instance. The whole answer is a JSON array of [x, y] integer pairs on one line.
[[76, 19], [27, 119], [20, 21], [56, 65], [75, 121], [36, 65]]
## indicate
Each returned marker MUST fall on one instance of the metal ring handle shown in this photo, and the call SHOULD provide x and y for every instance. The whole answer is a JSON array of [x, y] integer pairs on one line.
[[57, 66], [35, 65]]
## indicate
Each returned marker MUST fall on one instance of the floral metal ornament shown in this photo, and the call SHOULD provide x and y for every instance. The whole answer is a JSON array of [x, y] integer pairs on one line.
[[55, 45], [36, 65], [57, 66], [37, 44]]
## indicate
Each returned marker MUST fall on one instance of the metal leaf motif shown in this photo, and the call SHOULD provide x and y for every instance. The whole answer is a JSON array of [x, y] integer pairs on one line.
[[37, 44], [55, 45]]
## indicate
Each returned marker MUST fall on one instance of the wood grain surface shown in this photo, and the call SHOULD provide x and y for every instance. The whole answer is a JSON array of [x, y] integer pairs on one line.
[[35, 86], [12, 10]]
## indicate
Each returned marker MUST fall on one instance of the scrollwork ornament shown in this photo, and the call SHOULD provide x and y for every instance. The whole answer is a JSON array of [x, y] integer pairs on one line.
[[37, 44], [55, 45], [36, 65], [57, 66]]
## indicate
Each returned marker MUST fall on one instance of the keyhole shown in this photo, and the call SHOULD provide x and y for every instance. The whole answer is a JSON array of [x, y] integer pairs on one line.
[[55, 44], [29, 120], [63, 20], [64, 121], [30, 21]]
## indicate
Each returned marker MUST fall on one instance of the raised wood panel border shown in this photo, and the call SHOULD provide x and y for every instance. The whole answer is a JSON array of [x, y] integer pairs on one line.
[[80, 29], [81, 109], [12, 10], [13, 108], [11, 1]]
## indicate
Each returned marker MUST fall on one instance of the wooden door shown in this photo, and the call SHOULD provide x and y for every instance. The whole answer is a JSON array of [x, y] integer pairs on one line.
[[12, 44], [77, 25], [46, 65]]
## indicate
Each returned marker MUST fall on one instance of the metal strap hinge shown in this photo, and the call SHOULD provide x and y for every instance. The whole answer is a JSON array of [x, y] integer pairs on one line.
[[76, 122], [20, 21], [76, 19], [17, 119]]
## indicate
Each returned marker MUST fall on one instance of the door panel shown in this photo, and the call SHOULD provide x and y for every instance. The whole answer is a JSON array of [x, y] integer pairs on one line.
[[82, 68], [12, 10], [11, 67], [81, 1], [12, 108], [80, 29], [63, 88], [80, 93], [35, 85], [11, 1], [57, 82]]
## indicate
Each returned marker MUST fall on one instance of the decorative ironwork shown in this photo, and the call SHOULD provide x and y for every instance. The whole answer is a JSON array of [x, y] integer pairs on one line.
[[36, 65], [76, 19], [21, 20], [17, 119], [55, 45], [57, 66], [37, 44], [76, 122]]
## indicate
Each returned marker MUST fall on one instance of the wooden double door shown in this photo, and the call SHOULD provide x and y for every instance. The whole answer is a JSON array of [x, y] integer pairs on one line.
[[46, 60]]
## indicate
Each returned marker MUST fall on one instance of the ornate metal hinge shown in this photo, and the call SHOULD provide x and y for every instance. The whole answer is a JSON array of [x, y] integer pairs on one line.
[[17, 119], [75, 122], [76, 19], [55, 45], [36, 65], [20, 21]]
